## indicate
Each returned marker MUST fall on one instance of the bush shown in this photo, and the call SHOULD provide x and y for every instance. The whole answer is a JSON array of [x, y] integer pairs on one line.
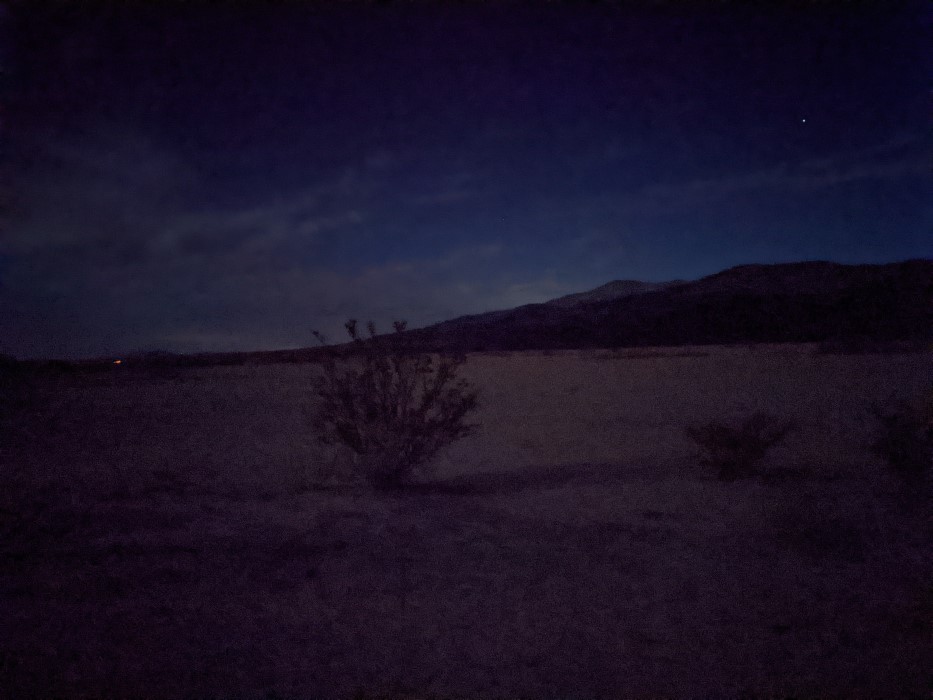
[[904, 437], [394, 408], [736, 450]]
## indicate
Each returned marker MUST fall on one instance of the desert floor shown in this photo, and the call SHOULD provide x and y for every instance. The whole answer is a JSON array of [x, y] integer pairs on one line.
[[160, 539]]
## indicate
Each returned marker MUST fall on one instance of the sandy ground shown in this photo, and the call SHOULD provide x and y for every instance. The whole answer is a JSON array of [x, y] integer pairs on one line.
[[160, 541]]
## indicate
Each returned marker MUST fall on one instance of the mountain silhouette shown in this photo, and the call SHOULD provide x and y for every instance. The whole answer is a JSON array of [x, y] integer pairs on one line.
[[851, 307], [796, 302], [617, 289]]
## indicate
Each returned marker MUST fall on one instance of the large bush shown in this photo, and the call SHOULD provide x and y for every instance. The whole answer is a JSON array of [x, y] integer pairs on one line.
[[736, 450], [904, 437], [395, 408]]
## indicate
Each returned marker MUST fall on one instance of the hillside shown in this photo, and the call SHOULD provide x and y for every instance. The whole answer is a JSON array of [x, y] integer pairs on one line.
[[617, 289], [797, 302], [793, 303]]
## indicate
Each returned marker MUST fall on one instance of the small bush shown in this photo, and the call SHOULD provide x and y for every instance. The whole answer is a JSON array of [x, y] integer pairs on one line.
[[736, 450], [395, 409], [904, 437]]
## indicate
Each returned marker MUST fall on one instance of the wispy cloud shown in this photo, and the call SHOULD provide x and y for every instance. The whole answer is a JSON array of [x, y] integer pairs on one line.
[[113, 186], [121, 254], [450, 196], [118, 244], [118, 200], [452, 187], [897, 158], [254, 230]]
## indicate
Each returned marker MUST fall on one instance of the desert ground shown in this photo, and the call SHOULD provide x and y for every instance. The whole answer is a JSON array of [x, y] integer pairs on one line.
[[179, 534]]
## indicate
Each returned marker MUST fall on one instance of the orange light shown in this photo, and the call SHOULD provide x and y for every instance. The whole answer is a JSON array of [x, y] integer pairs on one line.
[[118, 362]]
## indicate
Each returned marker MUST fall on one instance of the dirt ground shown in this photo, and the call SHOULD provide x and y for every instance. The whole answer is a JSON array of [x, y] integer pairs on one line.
[[160, 539]]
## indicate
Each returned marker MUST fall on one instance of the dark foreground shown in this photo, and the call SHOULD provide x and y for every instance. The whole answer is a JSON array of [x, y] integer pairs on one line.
[[133, 563], [600, 584]]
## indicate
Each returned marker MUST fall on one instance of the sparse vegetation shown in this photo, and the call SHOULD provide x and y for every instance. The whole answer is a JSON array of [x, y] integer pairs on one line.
[[545, 519], [736, 450], [904, 437], [395, 409]]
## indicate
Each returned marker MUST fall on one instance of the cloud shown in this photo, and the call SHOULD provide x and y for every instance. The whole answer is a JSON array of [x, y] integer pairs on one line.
[[452, 184], [110, 187], [256, 230], [222, 280], [116, 196], [441, 197], [895, 159], [117, 247]]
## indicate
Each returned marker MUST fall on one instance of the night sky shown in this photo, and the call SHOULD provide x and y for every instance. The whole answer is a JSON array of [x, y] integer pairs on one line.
[[185, 177]]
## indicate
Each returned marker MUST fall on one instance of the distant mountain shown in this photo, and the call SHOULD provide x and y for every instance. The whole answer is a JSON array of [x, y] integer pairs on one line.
[[797, 302], [616, 289]]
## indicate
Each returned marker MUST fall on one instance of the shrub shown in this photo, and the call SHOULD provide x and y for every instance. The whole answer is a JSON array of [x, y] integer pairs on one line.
[[394, 408], [904, 437], [736, 450]]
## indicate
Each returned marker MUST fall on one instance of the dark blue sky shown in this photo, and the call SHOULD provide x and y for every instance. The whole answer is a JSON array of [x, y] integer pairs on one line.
[[184, 176]]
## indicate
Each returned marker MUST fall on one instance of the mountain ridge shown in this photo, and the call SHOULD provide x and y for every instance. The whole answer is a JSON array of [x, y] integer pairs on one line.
[[615, 289], [813, 301]]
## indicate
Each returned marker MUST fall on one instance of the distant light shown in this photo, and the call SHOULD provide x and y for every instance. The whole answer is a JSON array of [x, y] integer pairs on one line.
[[804, 121], [118, 362]]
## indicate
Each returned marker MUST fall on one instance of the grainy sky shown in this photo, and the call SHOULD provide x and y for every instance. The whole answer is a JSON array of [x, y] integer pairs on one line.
[[185, 177]]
